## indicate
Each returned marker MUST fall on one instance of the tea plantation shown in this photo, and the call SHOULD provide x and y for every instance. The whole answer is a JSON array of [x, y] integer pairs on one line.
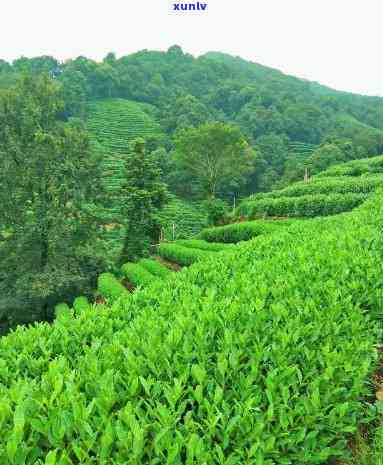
[[112, 125], [338, 189], [258, 353]]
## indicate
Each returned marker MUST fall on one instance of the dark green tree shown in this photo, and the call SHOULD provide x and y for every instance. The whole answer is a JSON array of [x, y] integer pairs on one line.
[[48, 183], [143, 196]]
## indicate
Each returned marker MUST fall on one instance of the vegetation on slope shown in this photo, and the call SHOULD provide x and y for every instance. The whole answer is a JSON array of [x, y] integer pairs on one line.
[[269, 367], [237, 232], [289, 121], [114, 123], [181, 255], [302, 206], [355, 168], [181, 219], [335, 190]]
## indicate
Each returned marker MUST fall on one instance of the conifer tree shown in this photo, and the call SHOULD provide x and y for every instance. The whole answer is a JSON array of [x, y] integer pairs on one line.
[[144, 194]]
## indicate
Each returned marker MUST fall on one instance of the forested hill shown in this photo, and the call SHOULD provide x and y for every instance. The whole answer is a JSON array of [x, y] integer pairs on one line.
[[292, 123]]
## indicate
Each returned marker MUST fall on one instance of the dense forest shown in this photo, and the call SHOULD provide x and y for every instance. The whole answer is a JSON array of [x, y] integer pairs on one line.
[[101, 159]]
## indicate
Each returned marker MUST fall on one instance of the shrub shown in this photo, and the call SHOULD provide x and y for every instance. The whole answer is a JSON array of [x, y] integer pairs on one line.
[[331, 185], [203, 245], [216, 210], [155, 268], [237, 232], [181, 255], [304, 206], [81, 304], [355, 167], [137, 274], [110, 288], [61, 309]]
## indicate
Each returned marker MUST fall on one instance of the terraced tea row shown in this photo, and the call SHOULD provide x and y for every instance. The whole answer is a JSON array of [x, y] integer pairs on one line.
[[303, 206], [355, 168], [323, 185], [114, 123], [338, 189]]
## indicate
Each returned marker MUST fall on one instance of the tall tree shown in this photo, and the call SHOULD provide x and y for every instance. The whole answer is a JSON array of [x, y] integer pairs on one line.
[[48, 181], [214, 154], [144, 194]]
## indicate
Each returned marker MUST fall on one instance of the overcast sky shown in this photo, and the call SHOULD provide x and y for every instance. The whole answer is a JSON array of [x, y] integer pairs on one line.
[[337, 43]]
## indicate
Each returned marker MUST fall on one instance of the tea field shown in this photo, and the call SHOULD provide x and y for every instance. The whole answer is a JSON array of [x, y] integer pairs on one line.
[[113, 124], [338, 189], [256, 353]]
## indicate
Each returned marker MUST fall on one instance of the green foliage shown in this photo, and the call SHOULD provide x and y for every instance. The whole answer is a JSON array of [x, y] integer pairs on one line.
[[203, 245], [182, 255], [61, 309], [355, 168], [110, 287], [80, 304], [237, 232], [115, 123], [268, 367], [137, 274], [216, 211], [143, 196], [284, 117], [155, 268], [368, 446], [213, 154], [48, 190], [188, 218], [303, 206], [324, 185]]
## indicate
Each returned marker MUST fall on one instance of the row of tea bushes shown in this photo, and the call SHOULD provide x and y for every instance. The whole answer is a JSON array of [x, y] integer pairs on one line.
[[355, 168], [203, 245], [137, 274], [110, 287], [257, 355], [155, 268], [335, 185], [183, 256], [237, 232], [181, 219], [303, 206]]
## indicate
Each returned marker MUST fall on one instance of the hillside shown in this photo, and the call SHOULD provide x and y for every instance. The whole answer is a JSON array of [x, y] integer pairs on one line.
[[200, 365], [275, 111], [337, 189]]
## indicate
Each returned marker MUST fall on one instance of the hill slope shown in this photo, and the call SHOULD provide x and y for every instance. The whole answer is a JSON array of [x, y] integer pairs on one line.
[[186, 91], [257, 354]]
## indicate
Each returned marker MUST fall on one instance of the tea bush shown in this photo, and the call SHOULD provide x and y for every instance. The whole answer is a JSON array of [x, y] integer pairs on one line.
[[61, 309], [137, 274], [237, 232], [188, 218], [81, 304], [110, 287], [155, 268], [203, 245], [181, 255], [341, 185], [255, 355], [303, 206], [355, 167]]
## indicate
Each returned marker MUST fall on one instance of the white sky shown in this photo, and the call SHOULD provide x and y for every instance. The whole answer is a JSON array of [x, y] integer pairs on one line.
[[337, 43]]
